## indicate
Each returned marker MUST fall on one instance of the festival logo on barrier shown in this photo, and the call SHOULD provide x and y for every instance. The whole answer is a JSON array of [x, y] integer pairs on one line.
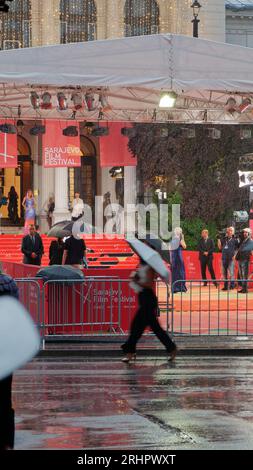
[[60, 150], [8, 150]]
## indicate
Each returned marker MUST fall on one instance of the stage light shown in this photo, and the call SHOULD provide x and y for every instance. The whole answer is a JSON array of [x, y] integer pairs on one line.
[[20, 125], [70, 131], [129, 132], [77, 100], [62, 101], [245, 178], [214, 133], [35, 100], [188, 133], [37, 130], [231, 105], [245, 134], [116, 172], [103, 100], [46, 101], [244, 105], [8, 129], [167, 99], [100, 131], [90, 101]]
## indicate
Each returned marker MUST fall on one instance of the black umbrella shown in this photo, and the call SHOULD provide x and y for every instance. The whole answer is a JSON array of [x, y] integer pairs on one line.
[[60, 273], [65, 228], [158, 245]]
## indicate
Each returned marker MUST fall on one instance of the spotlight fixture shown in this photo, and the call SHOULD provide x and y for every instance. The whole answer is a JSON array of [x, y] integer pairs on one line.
[[116, 172], [100, 131], [231, 105], [129, 132], [77, 100], [103, 100], [188, 132], [37, 130], [35, 100], [167, 99], [245, 178], [46, 101], [3, 6], [246, 102], [70, 131], [20, 125], [214, 133], [62, 101], [90, 101], [8, 129], [245, 134]]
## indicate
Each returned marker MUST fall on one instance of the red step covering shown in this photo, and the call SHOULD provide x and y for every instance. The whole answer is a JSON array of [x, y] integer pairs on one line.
[[10, 250]]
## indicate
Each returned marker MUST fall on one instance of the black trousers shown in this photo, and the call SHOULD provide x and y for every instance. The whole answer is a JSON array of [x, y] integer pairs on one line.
[[146, 316], [207, 262], [7, 426]]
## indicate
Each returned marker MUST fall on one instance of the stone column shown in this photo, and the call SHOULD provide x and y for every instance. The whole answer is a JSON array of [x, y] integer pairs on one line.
[[115, 18], [101, 19], [61, 211]]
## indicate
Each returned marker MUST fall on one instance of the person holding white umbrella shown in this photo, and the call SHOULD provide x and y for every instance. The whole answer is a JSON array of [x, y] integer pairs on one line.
[[142, 281]]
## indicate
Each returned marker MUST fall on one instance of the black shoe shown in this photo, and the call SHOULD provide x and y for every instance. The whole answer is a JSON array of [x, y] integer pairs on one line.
[[205, 284], [243, 291], [216, 285], [224, 288]]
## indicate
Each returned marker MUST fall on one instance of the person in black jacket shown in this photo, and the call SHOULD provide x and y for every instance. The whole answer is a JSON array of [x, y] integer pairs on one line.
[[32, 247], [206, 248], [7, 425], [56, 252]]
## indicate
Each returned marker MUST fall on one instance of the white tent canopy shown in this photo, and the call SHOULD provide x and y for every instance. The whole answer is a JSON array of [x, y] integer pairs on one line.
[[131, 73]]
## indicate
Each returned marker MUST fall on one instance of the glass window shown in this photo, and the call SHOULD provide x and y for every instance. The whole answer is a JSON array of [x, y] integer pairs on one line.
[[141, 17], [15, 26], [78, 20]]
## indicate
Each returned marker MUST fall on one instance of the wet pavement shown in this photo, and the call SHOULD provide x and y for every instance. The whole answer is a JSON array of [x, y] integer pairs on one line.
[[196, 403]]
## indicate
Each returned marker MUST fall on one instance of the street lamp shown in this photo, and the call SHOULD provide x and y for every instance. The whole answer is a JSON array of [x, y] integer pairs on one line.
[[195, 8]]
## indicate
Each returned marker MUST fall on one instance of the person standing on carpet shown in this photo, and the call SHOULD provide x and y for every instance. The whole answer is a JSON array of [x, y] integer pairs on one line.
[[206, 249], [228, 247], [32, 247], [177, 246], [142, 282]]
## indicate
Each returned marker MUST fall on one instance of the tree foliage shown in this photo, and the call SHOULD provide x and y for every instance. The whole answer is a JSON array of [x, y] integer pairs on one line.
[[205, 169]]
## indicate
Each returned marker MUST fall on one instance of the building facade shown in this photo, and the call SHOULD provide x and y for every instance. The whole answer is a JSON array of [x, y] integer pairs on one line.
[[32, 23]]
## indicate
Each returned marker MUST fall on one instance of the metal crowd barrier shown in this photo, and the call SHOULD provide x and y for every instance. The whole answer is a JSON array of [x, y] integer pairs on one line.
[[30, 295], [209, 310], [90, 306]]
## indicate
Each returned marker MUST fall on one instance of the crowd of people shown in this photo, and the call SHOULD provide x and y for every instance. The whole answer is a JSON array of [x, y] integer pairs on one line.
[[233, 250]]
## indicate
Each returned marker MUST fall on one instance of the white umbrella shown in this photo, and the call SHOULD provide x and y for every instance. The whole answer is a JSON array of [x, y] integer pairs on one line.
[[19, 339], [150, 256]]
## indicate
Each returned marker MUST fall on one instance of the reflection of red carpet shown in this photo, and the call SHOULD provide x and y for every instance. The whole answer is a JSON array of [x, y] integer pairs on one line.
[[207, 311]]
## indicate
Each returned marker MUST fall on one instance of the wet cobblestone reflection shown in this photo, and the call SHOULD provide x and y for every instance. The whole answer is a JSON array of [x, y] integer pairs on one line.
[[198, 403]]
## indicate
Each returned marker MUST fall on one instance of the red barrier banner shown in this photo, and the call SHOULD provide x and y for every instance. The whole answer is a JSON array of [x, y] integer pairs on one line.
[[59, 150], [114, 147], [8, 148]]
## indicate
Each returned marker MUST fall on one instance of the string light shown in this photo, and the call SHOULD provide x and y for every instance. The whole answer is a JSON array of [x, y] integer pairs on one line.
[[141, 17], [78, 20], [16, 25]]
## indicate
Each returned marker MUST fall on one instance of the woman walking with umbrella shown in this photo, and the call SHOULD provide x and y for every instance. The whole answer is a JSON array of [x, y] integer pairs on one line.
[[142, 281]]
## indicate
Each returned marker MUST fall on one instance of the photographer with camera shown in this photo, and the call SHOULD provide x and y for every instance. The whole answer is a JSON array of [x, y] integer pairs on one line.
[[243, 257], [228, 246]]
